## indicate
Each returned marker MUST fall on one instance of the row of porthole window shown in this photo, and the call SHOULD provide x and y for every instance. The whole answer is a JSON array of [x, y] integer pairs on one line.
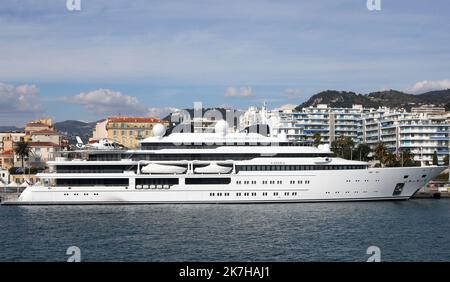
[[299, 182], [347, 192], [84, 194], [366, 180], [272, 182], [238, 194]]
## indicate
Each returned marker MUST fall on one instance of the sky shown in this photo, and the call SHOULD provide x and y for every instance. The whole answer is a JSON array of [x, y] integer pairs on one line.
[[149, 57]]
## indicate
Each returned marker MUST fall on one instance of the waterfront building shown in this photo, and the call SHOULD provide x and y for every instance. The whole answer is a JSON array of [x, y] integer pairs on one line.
[[47, 135], [200, 120], [43, 145], [41, 152], [330, 123], [8, 141], [258, 116], [428, 109], [37, 125], [421, 132], [6, 159], [128, 131], [4, 176], [99, 132]]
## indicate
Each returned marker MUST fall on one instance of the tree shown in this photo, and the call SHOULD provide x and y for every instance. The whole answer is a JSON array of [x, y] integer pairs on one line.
[[435, 158], [23, 150], [362, 152], [390, 160], [407, 158], [380, 152], [317, 138], [343, 146]]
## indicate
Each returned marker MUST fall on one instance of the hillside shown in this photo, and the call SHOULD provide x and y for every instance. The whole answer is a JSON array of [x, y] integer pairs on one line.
[[389, 98], [73, 128], [10, 129]]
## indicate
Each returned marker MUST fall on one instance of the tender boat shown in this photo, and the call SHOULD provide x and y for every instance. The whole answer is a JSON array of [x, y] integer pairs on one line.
[[161, 169], [213, 168]]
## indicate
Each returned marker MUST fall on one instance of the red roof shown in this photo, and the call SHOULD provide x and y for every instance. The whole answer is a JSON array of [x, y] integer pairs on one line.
[[9, 152], [43, 144], [45, 131], [133, 119]]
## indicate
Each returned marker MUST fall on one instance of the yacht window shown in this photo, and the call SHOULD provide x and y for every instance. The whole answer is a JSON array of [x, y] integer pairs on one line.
[[208, 181]]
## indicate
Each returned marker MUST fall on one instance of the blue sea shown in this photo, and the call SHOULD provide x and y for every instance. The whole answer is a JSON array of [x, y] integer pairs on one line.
[[415, 230]]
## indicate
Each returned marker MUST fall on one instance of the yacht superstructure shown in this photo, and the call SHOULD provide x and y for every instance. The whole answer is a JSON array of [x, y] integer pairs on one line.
[[218, 167]]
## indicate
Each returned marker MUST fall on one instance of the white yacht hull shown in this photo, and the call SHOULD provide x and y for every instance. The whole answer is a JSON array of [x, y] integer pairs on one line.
[[249, 187]]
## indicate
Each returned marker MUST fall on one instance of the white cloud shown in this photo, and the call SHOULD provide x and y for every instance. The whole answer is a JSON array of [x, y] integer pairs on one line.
[[108, 102], [160, 112], [429, 85], [285, 107], [292, 93], [18, 104], [22, 98], [245, 91]]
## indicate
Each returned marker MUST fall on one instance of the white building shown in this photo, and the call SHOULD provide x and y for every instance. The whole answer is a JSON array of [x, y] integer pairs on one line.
[[4, 176], [42, 152], [100, 131], [422, 132], [330, 123], [203, 120]]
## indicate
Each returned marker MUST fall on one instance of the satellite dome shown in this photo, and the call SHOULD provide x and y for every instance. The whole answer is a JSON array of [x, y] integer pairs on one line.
[[221, 127], [159, 130]]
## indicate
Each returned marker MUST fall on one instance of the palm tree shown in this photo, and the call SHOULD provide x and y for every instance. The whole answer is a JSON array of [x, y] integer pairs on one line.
[[390, 160], [317, 138], [344, 145], [23, 150], [362, 152], [435, 158], [407, 158], [380, 152]]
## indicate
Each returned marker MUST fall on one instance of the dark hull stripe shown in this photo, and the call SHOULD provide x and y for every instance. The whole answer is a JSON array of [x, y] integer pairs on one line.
[[208, 202]]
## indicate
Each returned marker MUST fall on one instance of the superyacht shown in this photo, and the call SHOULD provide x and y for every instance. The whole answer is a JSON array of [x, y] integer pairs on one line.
[[218, 167]]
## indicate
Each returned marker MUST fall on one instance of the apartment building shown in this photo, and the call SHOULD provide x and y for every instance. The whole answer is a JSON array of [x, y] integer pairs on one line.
[[99, 132], [8, 141], [129, 130], [200, 119], [41, 152], [330, 123], [4, 176], [422, 132]]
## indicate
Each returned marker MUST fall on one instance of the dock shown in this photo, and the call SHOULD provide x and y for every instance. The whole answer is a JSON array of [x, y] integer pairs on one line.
[[431, 195], [434, 190], [10, 193]]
